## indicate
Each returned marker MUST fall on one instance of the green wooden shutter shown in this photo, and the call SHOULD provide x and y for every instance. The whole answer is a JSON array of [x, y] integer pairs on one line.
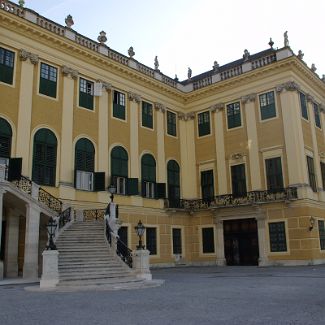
[[238, 178], [160, 190], [99, 181], [148, 168], [7, 59], [84, 155], [177, 241], [5, 138], [132, 186], [119, 162], [14, 170]]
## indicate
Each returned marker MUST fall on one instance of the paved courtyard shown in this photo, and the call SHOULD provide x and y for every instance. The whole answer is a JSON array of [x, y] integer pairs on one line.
[[195, 295]]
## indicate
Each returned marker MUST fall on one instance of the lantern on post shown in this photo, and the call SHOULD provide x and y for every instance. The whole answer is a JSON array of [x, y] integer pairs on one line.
[[51, 226], [140, 229]]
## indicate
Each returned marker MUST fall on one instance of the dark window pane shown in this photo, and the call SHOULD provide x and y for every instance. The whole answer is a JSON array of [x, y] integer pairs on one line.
[[119, 162], [119, 105], [207, 185], [321, 229], [151, 240], [86, 94], [322, 167], [173, 180], [267, 105], [208, 240], [233, 115], [277, 233], [204, 123], [317, 116], [147, 115], [303, 106], [274, 174], [5, 138], [84, 155], [171, 123], [311, 173], [7, 59], [238, 179], [177, 241]]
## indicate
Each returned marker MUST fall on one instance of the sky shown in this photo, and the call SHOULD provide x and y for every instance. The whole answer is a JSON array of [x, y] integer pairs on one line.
[[188, 33]]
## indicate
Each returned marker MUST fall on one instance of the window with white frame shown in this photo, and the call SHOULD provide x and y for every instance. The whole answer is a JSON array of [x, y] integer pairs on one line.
[[84, 180]]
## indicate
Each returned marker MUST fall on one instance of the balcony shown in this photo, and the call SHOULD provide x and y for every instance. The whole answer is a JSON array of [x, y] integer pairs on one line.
[[228, 200]]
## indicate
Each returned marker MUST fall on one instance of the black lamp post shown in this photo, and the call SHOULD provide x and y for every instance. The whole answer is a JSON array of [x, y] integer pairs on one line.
[[51, 226], [140, 229], [112, 189]]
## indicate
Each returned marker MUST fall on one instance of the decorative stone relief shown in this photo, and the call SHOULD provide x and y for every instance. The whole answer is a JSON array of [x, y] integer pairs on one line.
[[248, 98], [237, 156], [134, 97], [217, 107], [160, 107], [25, 55], [288, 86], [300, 55], [131, 52], [102, 37], [313, 68], [186, 116], [69, 21], [66, 71]]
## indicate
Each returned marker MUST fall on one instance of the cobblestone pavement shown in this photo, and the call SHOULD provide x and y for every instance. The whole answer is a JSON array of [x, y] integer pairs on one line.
[[191, 295]]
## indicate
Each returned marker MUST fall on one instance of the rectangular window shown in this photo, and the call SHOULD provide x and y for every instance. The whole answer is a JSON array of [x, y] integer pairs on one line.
[[151, 240], [267, 105], [177, 241], [277, 233], [321, 230], [207, 240], [86, 94], [7, 59], [238, 180], [233, 115], [274, 174], [204, 123], [311, 173], [303, 106], [48, 80], [84, 180], [317, 116], [322, 168], [207, 185], [171, 123], [147, 115], [119, 105]]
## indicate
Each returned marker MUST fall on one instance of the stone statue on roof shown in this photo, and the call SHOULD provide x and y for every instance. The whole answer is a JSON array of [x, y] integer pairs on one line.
[[246, 55], [156, 63], [215, 66], [300, 55], [189, 73], [286, 39], [69, 21], [131, 52]]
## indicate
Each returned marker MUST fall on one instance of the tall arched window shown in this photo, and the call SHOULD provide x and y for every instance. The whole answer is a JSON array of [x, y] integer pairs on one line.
[[5, 140], [173, 181], [84, 164], [119, 169], [44, 157], [148, 175]]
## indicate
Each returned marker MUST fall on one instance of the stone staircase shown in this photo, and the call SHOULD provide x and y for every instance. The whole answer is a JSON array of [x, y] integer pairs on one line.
[[85, 258]]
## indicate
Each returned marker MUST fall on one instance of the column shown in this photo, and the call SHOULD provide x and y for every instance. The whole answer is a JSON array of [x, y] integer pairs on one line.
[[254, 161], [261, 221], [188, 161], [310, 105], [220, 250], [25, 108], [103, 131], [2, 192], [66, 163], [161, 160], [12, 243], [220, 148], [134, 135], [31, 241], [293, 135]]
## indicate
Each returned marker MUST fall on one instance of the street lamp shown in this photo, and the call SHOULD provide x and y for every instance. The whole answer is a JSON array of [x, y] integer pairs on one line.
[[112, 189], [51, 226], [140, 229]]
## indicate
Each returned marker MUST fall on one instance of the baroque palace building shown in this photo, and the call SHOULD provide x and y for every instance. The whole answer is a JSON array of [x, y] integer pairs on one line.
[[226, 167]]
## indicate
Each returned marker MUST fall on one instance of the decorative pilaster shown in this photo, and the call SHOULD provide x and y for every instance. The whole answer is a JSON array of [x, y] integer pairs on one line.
[[261, 228], [218, 109], [134, 135], [254, 161], [2, 192], [161, 168], [220, 250], [25, 107], [31, 241]]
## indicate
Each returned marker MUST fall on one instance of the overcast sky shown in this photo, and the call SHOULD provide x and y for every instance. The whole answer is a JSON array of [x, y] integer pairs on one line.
[[188, 33]]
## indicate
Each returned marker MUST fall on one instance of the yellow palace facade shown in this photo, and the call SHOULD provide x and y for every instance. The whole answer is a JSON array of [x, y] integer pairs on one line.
[[226, 168]]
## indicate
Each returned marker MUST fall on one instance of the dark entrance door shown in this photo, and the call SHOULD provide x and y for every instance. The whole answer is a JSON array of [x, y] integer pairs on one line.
[[241, 242], [122, 247]]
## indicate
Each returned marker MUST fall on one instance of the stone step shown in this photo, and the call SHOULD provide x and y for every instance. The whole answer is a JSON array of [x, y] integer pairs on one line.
[[94, 266], [100, 280], [93, 274]]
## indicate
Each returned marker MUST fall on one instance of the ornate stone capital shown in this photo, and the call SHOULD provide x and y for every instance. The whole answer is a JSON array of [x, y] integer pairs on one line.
[[310, 98], [66, 71], [288, 86], [322, 108], [160, 107], [134, 97], [25, 55], [248, 98], [105, 85], [217, 107], [186, 116]]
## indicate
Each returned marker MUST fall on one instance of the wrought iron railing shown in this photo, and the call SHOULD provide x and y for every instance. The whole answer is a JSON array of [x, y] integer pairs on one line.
[[24, 184], [122, 250], [49, 200], [94, 214], [229, 200], [64, 217]]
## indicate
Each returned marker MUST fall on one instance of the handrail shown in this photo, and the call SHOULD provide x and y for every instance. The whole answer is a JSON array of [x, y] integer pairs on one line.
[[49, 200], [24, 184], [64, 217]]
